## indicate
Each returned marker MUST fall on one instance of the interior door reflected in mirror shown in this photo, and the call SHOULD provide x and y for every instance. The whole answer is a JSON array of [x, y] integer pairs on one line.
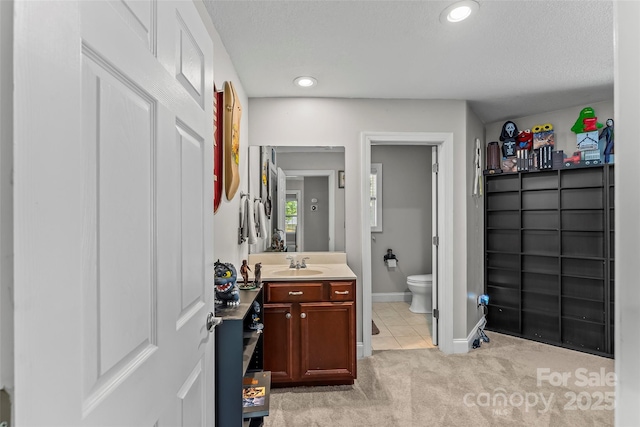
[[307, 205]]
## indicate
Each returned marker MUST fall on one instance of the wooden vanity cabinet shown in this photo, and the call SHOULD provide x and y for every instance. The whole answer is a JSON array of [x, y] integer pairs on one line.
[[310, 332]]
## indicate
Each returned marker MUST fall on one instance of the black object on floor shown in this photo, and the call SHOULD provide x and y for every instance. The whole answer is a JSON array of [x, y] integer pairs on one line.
[[374, 328]]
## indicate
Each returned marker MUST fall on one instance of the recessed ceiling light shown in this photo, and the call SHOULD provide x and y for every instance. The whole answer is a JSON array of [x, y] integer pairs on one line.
[[305, 81], [459, 11]]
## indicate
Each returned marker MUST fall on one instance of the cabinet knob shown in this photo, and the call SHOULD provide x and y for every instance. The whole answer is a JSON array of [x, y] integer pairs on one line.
[[295, 292], [303, 315], [288, 315]]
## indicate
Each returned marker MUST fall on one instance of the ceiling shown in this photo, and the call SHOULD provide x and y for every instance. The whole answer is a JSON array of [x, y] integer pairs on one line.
[[511, 59]]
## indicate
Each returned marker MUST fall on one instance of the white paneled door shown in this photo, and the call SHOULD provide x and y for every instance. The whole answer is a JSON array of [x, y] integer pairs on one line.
[[113, 214]]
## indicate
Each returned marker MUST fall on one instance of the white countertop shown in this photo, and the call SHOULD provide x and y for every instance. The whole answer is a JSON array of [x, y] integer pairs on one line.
[[275, 272], [275, 266]]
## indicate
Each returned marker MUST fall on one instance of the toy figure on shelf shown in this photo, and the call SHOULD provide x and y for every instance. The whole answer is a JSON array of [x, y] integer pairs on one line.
[[586, 130], [508, 137], [586, 122], [225, 284], [257, 273], [606, 140], [525, 140], [256, 325], [543, 136], [244, 271]]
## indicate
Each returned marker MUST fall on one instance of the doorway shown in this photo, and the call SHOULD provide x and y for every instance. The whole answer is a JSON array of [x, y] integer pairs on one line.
[[401, 228], [443, 265], [294, 220], [328, 208]]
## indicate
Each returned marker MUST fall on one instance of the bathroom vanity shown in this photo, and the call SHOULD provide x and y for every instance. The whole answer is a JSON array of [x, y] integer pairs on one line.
[[309, 320]]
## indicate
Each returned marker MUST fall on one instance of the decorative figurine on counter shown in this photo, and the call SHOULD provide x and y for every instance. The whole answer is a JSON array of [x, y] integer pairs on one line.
[[508, 137], [606, 140], [257, 273], [225, 284], [277, 242], [256, 325]]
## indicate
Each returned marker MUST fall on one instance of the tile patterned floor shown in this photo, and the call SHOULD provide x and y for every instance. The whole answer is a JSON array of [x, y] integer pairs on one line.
[[399, 327]]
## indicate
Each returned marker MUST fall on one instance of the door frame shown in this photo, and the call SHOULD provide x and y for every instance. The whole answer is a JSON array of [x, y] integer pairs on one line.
[[331, 174], [444, 142]]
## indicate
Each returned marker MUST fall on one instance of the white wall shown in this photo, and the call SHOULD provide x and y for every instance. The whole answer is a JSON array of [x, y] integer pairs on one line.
[[562, 120], [406, 216], [6, 195], [226, 219], [627, 181], [475, 223], [340, 122]]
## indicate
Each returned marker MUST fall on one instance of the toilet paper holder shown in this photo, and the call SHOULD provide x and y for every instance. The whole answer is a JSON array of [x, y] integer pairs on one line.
[[390, 259]]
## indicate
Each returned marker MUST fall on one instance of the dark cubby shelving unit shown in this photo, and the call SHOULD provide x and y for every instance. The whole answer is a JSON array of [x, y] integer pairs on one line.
[[239, 354], [549, 256]]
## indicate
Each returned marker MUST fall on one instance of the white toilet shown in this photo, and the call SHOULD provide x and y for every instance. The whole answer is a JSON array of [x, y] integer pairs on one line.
[[420, 287]]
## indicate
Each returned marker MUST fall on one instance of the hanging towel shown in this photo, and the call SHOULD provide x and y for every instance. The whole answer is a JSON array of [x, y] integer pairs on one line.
[[251, 223], [261, 219]]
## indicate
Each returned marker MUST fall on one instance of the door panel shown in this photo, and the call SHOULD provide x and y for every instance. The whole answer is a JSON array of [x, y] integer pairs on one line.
[[119, 280], [324, 323], [113, 194], [278, 340]]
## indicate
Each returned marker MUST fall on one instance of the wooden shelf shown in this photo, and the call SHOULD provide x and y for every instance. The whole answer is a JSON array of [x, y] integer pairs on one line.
[[239, 350]]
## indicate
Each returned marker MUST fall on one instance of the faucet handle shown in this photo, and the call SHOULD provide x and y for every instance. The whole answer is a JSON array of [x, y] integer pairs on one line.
[[304, 265], [291, 265]]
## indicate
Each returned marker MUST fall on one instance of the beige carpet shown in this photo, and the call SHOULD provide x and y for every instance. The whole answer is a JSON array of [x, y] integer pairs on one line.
[[497, 384]]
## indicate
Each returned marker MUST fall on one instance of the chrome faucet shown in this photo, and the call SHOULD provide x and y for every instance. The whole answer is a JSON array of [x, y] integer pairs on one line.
[[304, 265], [292, 265]]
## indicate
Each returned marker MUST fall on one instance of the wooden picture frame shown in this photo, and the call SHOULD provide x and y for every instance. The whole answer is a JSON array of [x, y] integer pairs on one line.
[[340, 179]]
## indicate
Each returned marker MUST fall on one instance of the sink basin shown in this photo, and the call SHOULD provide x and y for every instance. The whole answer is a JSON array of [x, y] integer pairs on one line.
[[292, 272]]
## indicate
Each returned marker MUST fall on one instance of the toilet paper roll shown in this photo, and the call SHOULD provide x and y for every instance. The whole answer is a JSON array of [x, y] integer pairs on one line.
[[391, 263]]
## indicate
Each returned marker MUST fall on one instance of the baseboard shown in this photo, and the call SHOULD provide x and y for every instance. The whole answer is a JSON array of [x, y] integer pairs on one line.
[[391, 297], [359, 350], [462, 345]]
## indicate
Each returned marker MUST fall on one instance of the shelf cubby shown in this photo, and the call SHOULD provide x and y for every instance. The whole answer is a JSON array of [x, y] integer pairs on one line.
[[540, 282], [540, 219], [541, 199]]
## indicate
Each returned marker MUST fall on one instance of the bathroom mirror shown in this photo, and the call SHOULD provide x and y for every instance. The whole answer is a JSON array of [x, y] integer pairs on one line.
[[307, 201]]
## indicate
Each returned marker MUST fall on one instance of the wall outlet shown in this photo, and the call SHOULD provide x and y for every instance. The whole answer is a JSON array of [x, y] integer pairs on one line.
[[483, 300]]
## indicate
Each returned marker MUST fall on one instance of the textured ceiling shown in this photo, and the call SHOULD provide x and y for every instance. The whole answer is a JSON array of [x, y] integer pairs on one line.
[[513, 58]]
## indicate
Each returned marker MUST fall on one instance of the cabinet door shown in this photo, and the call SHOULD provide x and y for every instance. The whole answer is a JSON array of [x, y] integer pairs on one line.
[[327, 341], [279, 341]]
